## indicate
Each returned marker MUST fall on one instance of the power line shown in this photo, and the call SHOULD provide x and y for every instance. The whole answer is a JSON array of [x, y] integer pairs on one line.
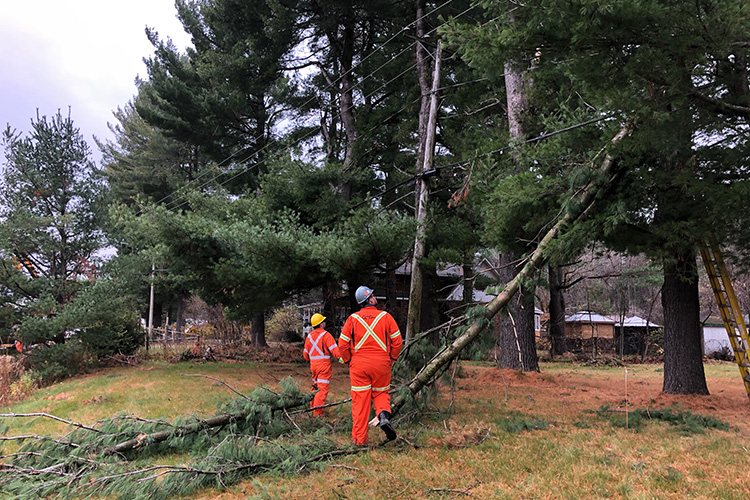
[[330, 85], [436, 169]]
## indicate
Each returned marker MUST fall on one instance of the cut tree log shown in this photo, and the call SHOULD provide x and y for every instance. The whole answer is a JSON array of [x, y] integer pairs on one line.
[[585, 199]]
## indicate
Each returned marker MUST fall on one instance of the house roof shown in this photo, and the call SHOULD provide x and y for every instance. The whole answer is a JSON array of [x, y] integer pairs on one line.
[[457, 295], [588, 317], [480, 296], [637, 322], [449, 270]]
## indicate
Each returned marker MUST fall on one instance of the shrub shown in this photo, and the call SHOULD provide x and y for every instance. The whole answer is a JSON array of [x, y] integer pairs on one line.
[[14, 376], [60, 361], [284, 324], [120, 333]]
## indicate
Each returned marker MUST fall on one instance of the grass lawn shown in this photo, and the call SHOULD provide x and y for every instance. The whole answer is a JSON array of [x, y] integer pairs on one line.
[[558, 434]]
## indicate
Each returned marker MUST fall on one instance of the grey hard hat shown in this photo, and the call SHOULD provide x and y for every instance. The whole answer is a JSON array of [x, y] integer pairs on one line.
[[362, 294]]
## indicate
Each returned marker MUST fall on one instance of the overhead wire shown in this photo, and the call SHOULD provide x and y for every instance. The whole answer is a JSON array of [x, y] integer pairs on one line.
[[459, 163], [310, 100]]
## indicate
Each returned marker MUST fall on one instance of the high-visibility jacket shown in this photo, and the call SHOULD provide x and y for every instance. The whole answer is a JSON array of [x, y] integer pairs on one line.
[[370, 342], [319, 346], [370, 333]]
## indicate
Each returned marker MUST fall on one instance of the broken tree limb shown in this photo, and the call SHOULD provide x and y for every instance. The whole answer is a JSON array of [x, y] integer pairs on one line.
[[157, 437], [585, 198], [53, 417]]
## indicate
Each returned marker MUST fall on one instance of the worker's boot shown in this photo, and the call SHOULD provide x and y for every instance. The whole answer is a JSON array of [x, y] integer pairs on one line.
[[387, 426]]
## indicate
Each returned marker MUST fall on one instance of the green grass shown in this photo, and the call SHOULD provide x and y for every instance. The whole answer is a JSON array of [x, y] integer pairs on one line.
[[545, 449]]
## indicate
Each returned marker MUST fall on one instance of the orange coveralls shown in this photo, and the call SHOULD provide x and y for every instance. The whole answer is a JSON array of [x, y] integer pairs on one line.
[[370, 342], [319, 345]]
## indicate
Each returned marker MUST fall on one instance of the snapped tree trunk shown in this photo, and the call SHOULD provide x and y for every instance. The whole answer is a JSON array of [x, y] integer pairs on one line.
[[422, 193]]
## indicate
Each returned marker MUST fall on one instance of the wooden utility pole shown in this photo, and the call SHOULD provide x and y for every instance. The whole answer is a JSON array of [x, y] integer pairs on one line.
[[423, 197], [151, 305]]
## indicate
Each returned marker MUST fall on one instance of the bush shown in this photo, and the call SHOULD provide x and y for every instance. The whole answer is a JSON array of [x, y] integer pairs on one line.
[[119, 334], [59, 361], [13, 375], [283, 325]]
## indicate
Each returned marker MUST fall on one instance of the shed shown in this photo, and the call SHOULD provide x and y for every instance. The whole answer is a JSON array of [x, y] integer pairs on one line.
[[587, 325], [590, 332], [635, 330]]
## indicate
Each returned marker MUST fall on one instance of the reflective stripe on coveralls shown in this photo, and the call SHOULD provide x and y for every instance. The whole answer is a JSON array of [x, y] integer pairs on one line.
[[315, 348], [319, 346], [370, 340], [369, 333]]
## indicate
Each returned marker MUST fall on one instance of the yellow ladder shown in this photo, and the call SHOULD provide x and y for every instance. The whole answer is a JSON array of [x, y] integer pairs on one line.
[[729, 308]]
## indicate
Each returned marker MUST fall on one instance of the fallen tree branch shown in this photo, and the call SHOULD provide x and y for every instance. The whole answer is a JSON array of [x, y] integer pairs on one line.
[[217, 380], [157, 437], [39, 438], [327, 405], [47, 415], [585, 198]]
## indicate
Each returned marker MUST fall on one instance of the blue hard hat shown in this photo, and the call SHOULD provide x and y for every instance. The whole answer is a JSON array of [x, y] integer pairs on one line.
[[362, 294]]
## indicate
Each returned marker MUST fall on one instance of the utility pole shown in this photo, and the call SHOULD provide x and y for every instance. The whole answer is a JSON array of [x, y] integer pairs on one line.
[[423, 197], [151, 305]]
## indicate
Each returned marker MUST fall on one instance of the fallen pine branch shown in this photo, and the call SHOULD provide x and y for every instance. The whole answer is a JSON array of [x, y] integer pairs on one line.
[[53, 417]]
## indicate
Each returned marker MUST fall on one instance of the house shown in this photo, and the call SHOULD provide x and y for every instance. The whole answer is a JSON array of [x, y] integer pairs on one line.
[[590, 332], [634, 331], [456, 297]]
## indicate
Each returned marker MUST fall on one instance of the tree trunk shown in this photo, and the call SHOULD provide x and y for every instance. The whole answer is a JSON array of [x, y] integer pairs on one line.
[[423, 77], [429, 312], [518, 338], [345, 53], [259, 330], [556, 312], [683, 362], [180, 315], [468, 284]]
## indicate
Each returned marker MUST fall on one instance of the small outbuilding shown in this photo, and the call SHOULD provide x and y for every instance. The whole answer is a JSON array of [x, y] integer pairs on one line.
[[632, 334], [590, 332]]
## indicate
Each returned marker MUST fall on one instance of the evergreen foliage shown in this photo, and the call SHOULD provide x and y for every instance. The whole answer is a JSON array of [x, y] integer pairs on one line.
[[685, 421], [249, 435], [50, 225]]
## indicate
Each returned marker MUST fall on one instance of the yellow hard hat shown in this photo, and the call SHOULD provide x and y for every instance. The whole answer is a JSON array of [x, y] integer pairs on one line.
[[317, 319]]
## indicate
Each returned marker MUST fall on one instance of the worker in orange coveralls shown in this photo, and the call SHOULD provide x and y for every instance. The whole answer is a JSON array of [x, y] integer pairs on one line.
[[370, 342], [319, 345]]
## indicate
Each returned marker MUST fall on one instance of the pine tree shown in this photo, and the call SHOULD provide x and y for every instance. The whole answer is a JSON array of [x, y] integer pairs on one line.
[[680, 70], [50, 224]]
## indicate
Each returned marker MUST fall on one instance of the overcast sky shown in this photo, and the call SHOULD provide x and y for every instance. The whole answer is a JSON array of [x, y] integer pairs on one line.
[[77, 54]]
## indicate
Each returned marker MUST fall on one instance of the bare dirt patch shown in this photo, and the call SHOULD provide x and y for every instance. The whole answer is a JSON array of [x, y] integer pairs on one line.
[[568, 393]]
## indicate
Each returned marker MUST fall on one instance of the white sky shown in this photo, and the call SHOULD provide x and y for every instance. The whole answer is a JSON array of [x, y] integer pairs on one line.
[[77, 54]]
